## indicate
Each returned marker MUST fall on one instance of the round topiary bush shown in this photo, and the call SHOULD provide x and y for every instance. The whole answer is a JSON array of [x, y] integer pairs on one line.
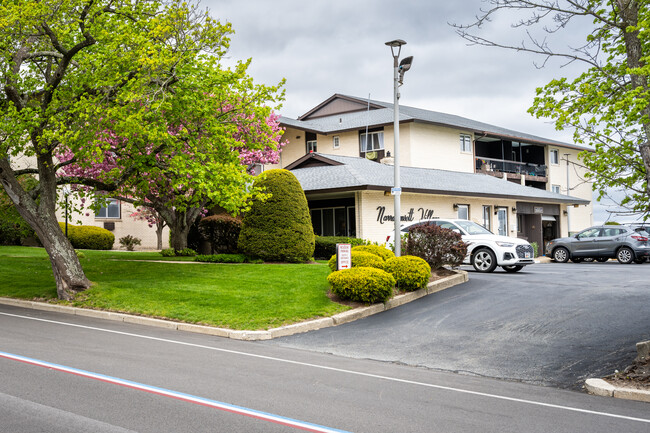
[[89, 237], [362, 284], [410, 272], [360, 258], [377, 250], [279, 228], [222, 231]]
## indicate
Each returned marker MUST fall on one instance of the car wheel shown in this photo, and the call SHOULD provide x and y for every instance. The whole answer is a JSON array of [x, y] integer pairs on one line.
[[602, 259], [513, 268], [484, 260], [561, 255], [577, 259], [625, 255]]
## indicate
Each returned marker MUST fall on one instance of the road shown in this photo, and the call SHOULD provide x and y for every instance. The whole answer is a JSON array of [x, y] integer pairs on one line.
[[550, 324], [157, 380]]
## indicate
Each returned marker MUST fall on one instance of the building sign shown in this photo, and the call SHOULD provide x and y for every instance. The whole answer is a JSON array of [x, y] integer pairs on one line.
[[538, 209], [343, 256], [423, 213]]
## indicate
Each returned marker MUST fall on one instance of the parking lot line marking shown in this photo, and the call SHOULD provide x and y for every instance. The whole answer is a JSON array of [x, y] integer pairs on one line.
[[340, 370], [264, 416]]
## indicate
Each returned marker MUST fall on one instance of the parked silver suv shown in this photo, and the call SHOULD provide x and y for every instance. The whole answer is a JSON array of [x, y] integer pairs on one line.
[[602, 243]]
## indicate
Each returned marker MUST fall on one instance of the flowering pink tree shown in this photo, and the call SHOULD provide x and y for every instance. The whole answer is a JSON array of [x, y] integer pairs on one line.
[[152, 218]]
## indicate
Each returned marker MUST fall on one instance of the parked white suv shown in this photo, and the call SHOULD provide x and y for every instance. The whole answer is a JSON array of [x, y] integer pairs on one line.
[[485, 250]]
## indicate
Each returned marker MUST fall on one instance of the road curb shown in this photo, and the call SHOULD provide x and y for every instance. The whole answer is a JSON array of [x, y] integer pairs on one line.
[[283, 331], [603, 388]]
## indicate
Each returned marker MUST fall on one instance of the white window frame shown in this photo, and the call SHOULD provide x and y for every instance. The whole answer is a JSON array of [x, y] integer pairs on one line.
[[499, 212], [487, 217], [554, 156], [336, 142], [377, 144], [465, 208], [312, 146], [110, 202], [556, 189], [465, 143]]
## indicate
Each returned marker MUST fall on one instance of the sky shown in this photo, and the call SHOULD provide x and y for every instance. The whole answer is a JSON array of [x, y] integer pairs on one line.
[[324, 47]]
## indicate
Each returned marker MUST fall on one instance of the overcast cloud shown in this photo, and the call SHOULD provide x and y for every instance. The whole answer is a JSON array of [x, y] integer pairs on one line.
[[337, 46]]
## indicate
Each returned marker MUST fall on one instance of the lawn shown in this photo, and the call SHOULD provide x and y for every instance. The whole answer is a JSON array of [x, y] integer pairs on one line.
[[236, 296]]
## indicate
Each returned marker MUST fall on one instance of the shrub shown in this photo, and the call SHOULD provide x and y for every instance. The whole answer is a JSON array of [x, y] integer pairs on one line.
[[185, 252], [360, 258], [222, 231], [410, 272], [535, 249], [362, 284], [89, 237], [13, 228], [377, 250], [279, 228], [436, 245], [221, 258], [325, 246], [129, 242]]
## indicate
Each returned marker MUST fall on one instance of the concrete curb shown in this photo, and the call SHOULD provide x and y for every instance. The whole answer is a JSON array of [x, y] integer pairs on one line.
[[296, 328], [605, 389]]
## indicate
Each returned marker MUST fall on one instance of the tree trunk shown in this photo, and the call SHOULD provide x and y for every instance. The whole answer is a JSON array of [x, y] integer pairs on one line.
[[159, 233], [179, 232], [68, 273]]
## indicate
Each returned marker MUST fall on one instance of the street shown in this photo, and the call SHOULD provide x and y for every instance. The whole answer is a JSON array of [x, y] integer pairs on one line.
[[81, 374]]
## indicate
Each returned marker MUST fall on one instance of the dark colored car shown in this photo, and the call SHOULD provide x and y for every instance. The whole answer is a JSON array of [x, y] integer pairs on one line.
[[602, 243]]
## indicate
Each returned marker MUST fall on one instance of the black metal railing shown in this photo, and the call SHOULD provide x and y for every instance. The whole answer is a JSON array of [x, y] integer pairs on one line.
[[491, 164]]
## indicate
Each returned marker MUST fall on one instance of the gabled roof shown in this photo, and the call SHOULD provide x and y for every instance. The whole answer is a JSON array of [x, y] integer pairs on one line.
[[345, 173], [341, 113]]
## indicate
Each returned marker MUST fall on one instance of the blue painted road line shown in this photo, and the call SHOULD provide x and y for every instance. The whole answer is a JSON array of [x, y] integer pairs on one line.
[[277, 419]]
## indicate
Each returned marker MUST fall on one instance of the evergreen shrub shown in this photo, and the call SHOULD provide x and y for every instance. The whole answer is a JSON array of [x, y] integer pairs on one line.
[[279, 228], [89, 237], [221, 258], [436, 245], [185, 252], [326, 245], [377, 250], [360, 258], [222, 231], [410, 272], [362, 284]]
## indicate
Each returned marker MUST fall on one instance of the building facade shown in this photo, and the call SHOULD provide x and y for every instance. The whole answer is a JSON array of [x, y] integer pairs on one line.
[[513, 183]]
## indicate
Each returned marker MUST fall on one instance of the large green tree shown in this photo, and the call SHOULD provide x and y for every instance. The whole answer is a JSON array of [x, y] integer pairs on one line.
[[608, 105], [137, 78]]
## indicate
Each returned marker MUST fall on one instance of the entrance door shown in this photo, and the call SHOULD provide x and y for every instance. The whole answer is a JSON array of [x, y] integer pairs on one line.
[[549, 232], [502, 217]]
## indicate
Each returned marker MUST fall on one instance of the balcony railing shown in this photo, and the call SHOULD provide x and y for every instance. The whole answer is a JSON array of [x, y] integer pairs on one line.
[[500, 165]]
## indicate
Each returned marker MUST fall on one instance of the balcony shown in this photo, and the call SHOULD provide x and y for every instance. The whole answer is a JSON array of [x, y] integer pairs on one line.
[[513, 169]]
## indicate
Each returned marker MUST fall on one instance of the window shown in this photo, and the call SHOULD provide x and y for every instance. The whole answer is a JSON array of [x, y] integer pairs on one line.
[[554, 157], [373, 141], [555, 189], [311, 146], [465, 143], [336, 142], [502, 217], [110, 209], [334, 221], [487, 217], [463, 211]]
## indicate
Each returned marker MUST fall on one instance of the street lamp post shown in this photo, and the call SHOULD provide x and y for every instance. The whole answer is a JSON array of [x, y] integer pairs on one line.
[[568, 190], [399, 68]]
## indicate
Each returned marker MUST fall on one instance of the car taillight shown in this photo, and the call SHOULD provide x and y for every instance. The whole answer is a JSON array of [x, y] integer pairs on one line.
[[640, 238]]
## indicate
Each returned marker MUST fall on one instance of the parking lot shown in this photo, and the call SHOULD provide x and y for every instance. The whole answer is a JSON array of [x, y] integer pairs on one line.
[[553, 324]]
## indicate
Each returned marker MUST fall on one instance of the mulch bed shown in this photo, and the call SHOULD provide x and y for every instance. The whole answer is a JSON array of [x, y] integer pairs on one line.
[[636, 375]]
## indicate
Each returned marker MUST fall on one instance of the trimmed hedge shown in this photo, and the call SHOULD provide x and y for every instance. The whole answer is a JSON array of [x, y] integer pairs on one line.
[[360, 258], [89, 237], [185, 252], [410, 272], [326, 245], [222, 231], [377, 250], [279, 228], [221, 258], [362, 284]]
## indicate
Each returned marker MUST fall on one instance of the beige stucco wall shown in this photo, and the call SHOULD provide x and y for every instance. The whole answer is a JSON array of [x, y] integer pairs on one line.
[[438, 147], [418, 206]]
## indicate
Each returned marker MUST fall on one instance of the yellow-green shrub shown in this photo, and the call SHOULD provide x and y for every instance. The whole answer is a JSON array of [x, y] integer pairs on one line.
[[362, 284], [89, 237], [360, 258], [377, 250], [410, 272]]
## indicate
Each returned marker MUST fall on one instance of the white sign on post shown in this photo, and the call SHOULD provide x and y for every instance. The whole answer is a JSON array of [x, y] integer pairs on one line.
[[343, 256]]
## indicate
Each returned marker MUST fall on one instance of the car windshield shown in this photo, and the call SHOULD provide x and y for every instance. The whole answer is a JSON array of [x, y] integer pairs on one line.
[[472, 228]]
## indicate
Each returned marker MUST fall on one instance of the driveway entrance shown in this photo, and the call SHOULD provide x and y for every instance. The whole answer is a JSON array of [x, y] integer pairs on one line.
[[550, 324]]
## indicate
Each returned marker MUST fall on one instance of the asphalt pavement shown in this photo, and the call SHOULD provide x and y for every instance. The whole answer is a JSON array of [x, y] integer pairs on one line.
[[550, 324]]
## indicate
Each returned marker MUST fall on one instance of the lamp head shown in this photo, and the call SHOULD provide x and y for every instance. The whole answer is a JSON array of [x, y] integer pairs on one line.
[[396, 43], [404, 66]]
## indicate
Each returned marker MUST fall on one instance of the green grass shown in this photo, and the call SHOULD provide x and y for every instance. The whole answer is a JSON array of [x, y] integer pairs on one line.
[[236, 296]]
